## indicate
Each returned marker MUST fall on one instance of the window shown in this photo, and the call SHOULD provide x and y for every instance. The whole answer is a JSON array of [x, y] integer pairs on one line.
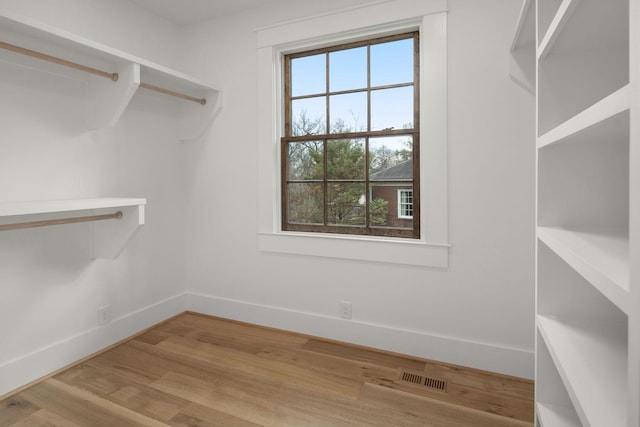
[[274, 43], [351, 132], [405, 204]]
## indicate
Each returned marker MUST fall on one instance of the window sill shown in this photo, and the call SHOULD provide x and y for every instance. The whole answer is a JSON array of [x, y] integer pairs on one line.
[[373, 249]]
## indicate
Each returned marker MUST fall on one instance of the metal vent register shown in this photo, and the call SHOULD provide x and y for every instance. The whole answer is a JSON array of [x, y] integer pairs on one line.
[[424, 381]]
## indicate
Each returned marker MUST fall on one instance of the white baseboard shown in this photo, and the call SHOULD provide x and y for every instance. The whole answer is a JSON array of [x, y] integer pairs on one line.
[[485, 356], [28, 368], [42, 362]]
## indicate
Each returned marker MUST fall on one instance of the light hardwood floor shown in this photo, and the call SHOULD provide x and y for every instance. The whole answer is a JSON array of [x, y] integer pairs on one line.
[[201, 371]]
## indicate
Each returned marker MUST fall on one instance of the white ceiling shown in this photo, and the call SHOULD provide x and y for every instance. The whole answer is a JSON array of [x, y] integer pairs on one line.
[[184, 12]]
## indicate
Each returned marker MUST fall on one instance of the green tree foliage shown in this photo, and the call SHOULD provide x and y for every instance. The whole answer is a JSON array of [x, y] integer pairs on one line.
[[378, 209], [345, 161]]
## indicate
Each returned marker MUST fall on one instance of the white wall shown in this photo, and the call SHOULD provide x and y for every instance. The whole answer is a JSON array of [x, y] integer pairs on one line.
[[477, 312], [50, 287], [119, 24]]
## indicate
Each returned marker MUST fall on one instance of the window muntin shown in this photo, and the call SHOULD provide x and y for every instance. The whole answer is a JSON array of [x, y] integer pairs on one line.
[[351, 112]]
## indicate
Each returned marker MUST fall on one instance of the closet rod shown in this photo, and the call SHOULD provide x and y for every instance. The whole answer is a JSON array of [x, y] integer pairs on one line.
[[60, 61], [111, 76], [73, 220], [201, 101]]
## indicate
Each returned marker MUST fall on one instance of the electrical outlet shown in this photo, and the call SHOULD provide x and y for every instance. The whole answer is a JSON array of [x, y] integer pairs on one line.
[[345, 309], [104, 315]]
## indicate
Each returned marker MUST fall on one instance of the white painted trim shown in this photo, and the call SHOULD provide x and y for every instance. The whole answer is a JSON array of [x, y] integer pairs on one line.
[[347, 20], [430, 18], [320, 15], [30, 367], [479, 355], [373, 249], [53, 357]]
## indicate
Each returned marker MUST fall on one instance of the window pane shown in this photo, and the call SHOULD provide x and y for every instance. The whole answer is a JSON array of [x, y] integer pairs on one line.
[[348, 69], [305, 160], [345, 159], [348, 112], [391, 157], [308, 75], [405, 203], [305, 203], [345, 204], [337, 177], [387, 203], [308, 116], [392, 108], [392, 63]]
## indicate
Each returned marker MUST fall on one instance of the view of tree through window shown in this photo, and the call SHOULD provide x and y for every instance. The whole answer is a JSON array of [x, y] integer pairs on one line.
[[351, 132]]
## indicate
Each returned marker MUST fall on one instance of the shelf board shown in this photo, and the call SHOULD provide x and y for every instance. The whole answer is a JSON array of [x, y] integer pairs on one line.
[[522, 66], [524, 35], [108, 238], [582, 25], [580, 351], [551, 415], [32, 34], [545, 12], [53, 206], [614, 104], [555, 28], [602, 259], [61, 39]]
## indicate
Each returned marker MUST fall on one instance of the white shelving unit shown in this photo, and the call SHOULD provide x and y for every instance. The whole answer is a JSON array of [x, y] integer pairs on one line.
[[107, 99], [108, 237], [522, 68], [586, 64]]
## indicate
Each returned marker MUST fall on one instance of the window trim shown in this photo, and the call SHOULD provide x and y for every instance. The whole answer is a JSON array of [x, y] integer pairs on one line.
[[428, 17]]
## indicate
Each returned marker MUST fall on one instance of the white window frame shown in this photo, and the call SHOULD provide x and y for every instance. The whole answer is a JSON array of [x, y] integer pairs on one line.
[[357, 23], [400, 204]]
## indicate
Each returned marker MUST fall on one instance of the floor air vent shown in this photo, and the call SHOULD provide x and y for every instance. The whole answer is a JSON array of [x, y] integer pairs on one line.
[[424, 381]]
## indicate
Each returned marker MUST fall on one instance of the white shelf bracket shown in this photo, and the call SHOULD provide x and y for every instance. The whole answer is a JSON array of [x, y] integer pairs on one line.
[[195, 118], [111, 237], [109, 99]]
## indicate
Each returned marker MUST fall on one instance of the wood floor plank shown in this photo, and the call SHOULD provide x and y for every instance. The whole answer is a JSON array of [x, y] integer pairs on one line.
[[234, 335], [269, 404], [137, 360], [160, 360], [148, 401], [489, 393], [195, 415], [491, 402], [255, 366], [201, 371], [221, 397], [481, 380], [417, 410], [92, 379], [44, 418], [14, 409], [319, 363], [119, 387], [364, 355], [84, 408], [153, 336]]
